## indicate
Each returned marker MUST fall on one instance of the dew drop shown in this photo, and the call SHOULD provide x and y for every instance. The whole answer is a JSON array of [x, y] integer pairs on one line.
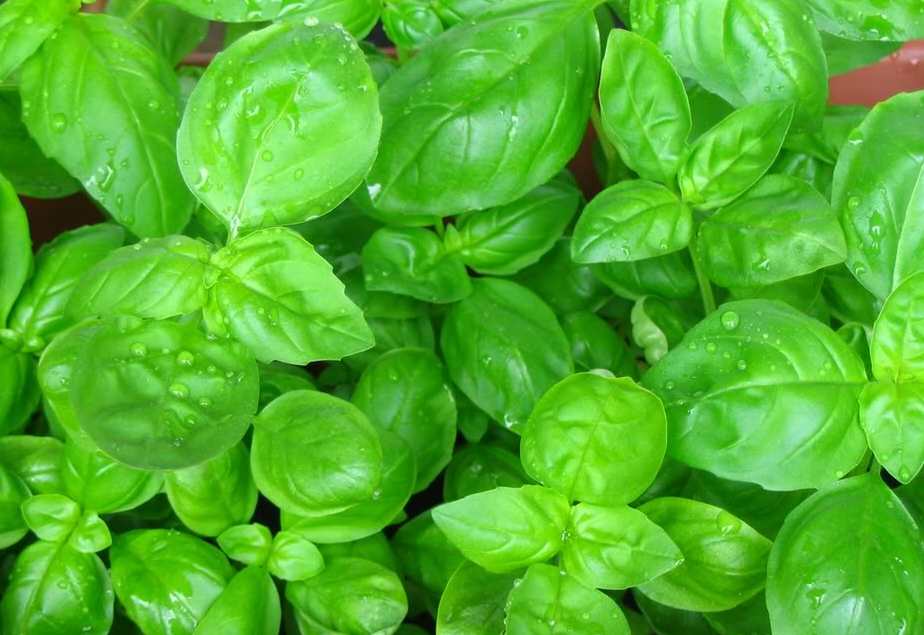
[[58, 122], [730, 320], [138, 349], [180, 391], [185, 358]]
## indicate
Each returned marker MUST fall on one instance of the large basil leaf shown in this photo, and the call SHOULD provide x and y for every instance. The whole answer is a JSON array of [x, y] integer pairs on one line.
[[848, 560], [724, 559], [896, 20], [731, 157], [616, 547], [548, 601], [273, 292], [406, 392], [413, 261], [489, 110], [890, 410], [156, 278], [15, 248], [167, 580], [21, 160], [77, 582], [160, 395], [473, 602], [215, 494], [781, 229], [643, 106], [503, 240], [283, 125], [759, 392], [595, 439], [25, 25], [100, 484], [107, 78], [505, 529], [877, 191], [745, 51], [351, 595], [314, 454], [632, 220], [40, 311], [173, 32], [249, 605], [489, 342]]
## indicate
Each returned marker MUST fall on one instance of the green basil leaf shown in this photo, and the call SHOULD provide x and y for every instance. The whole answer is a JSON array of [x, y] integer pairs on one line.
[[746, 51], [426, 555], [659, 325], [174, 33], [15, 248], [102, 485], [357, 16], [351, 595], [249, 605], [20, 396], [340, 235], [160, 395], [91, 534], [595, 439], [595, 344], [77, 581], [899, 20], [473, 602], [724, 559], [549, 602], [760, 392], [803, 293], [616, 547], [13, 492], [562, 283], [731, 157], [369, 516], [503, 240], [488, 340], [51, 517], [405, 391], [41, 311], [374, 548], [848, 299], [632, 220], [780, 229], [314, 454], [249, 544], [294, 557], [156, 278], [277, 379], [262, 145], [215, 494], [848, 559], [115, 81], [481, 468], [912, 497], [538, 91], [25, 25], [410, 24], [412, 261], [643, 106], [35, 460], [505, 529], [751, 617], [167, 580], [876, 191], [669, 277], [846, 55], [665, 620], [275, 294]]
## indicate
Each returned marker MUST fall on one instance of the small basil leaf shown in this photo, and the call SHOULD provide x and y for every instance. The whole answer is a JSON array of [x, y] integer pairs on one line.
[[562, 283], [473, 602], [275, 294], [848, 558], [102, 485], [351, 595], [481, 468], [15, 248], [405, 391], [731, 157], [277, 379], [595, 344], [550, 602], [669, 276], [632, 220], [35, 460], [77, 581], [51, 517], [13, 492], [760, 392], [505, 529], [294, 557], [780, 229], [724, 559], [173, 32], [156, 570], [249, 544], [160, 395], [616, 547], [249, 605], [425, 165], [595, 439], [659, 325], [211, 496], [410, 24], [90, 535], [314, 454], [644, 106], [156, 278], [261, 145], [412, 261], [25, 25], [374, 548], [116, 82], [488, 341]]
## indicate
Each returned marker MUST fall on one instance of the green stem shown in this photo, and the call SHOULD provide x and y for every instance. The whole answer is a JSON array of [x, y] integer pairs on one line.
[[705, 287]]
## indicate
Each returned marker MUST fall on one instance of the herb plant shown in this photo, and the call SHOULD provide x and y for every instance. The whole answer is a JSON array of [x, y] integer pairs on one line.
[[351, 352]]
